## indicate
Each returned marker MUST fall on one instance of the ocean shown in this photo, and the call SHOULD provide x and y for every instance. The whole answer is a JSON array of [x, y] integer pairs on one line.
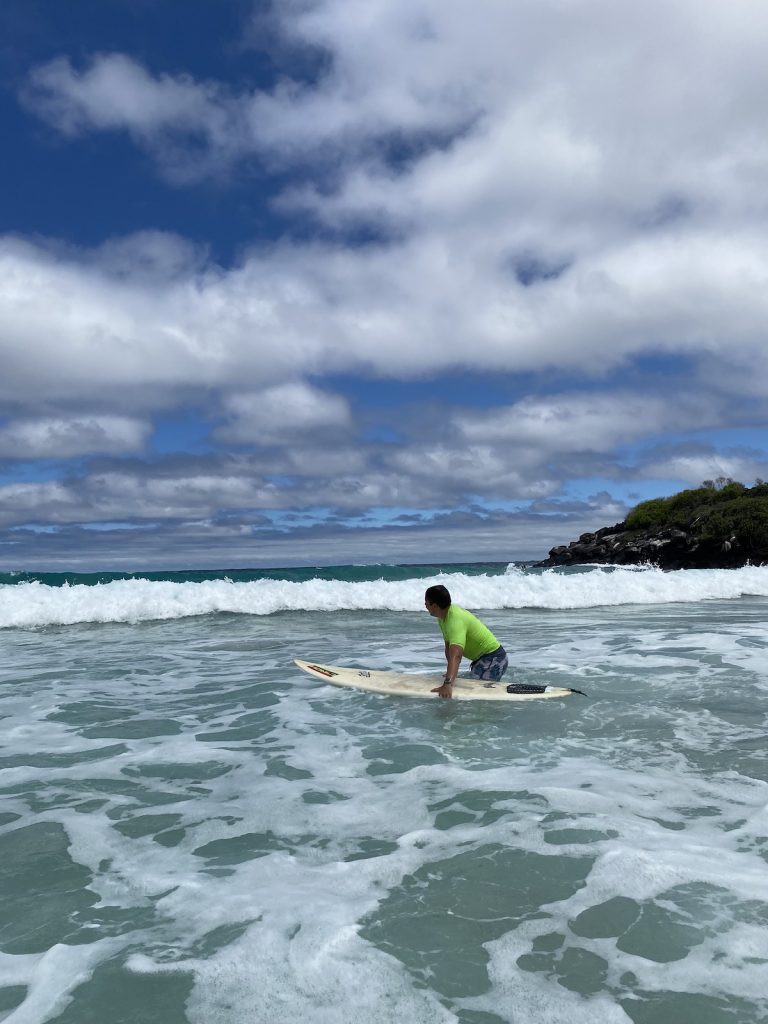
[[191, 830]]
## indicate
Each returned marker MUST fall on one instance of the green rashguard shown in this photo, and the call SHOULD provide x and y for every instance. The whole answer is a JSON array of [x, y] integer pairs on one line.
[[460, 627]]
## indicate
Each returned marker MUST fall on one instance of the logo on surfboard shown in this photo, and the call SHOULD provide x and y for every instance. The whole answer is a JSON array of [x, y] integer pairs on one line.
[[322, 671]]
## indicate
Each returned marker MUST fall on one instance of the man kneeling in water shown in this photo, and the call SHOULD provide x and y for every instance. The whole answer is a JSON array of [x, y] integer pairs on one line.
[[464, 635]]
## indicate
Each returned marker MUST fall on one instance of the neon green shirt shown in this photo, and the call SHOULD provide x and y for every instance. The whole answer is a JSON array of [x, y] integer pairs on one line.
[[460, 627]]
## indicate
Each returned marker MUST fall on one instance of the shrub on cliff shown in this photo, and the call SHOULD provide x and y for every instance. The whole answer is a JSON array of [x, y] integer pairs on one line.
[[649, 515], [730, 513], [744, 520], [698, 497]]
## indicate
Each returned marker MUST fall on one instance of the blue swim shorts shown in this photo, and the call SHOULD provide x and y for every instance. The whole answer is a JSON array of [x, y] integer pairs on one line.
[[491, 666]]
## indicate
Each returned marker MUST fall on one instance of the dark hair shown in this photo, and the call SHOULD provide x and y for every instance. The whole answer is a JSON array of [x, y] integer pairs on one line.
[[438, 595]]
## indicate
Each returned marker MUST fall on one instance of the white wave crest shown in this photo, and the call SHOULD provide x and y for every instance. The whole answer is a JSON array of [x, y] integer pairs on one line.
[[36, 604]]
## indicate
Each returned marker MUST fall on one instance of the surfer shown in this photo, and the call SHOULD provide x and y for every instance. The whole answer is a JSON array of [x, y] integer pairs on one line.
[[464, 635]]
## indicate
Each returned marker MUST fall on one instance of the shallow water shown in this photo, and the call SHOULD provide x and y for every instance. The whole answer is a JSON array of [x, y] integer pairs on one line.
[[193, 831]]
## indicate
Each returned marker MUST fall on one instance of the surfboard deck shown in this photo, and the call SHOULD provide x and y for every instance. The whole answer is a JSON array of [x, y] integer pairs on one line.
[[410, 685]]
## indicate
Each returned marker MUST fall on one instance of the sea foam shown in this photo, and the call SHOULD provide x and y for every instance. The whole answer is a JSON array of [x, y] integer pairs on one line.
[[37, 604]]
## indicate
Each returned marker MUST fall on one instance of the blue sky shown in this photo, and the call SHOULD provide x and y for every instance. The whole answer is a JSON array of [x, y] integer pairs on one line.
[[318, 281]]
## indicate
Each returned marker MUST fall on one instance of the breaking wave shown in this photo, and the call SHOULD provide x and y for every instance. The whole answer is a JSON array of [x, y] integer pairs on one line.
[[31, 604]]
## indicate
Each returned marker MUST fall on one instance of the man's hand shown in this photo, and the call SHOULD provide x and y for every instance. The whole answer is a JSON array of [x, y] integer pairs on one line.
[[446, 690]]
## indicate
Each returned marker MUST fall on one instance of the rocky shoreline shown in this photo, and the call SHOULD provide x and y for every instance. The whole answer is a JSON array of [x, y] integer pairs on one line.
[[669, 547]]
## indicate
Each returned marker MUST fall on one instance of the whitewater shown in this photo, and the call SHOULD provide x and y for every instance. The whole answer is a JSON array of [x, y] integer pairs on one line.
[[194, 832], [35, 603]]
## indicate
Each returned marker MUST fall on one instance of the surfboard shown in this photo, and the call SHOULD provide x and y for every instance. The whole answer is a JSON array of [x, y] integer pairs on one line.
[[406, 684]]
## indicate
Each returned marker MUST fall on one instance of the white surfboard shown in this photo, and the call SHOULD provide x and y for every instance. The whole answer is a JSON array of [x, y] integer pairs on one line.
[[410, 685]]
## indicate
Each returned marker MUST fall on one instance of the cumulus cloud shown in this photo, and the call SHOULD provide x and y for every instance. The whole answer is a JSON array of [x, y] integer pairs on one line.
[[64, 437], [49, 502], [306, 475], [282, 413], [627, 108], [207, 544], [549, 189], [135, 494], [230, 497], [175, 116], [556, 186], [707, 465], [462, 470], [71, 329], [91, 325], [573, 422]]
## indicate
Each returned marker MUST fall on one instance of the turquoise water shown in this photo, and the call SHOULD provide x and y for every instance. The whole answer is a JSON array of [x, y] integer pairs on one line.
[[346, 573], [193, 831]]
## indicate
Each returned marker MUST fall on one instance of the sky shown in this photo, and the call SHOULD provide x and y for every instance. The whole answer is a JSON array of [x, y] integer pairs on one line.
[[323, 281]]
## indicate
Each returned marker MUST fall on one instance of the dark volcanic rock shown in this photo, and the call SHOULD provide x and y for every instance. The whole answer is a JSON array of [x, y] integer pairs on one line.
[[669, 547]]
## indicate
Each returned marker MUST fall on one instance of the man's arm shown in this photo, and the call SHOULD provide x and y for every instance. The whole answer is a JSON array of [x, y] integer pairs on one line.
[[453, 655]]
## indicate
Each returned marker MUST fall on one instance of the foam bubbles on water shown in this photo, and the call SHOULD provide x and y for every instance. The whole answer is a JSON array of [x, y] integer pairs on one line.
[[50, 978], [303, 959], [303, 853]]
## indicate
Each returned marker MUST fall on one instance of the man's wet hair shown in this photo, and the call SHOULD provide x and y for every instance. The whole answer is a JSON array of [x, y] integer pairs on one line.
[[438, 595]]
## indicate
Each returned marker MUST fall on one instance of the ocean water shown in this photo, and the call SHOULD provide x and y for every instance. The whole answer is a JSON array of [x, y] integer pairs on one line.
[[193, 831]]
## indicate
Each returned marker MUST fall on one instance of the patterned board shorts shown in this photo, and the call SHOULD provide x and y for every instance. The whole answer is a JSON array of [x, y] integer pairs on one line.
[[491, 666]]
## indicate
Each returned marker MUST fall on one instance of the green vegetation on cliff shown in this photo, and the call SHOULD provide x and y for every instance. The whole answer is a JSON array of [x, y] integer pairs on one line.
[[721, 510]]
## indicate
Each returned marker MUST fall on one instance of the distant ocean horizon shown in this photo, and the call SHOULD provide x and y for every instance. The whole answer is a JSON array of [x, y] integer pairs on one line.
[[193, 830]]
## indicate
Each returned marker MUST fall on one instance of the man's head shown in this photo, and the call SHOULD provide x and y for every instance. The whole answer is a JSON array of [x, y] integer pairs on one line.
[[437, 601]]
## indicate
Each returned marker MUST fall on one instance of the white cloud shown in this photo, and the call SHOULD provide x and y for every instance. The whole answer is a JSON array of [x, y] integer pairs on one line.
[[63, 437], [282, 413], [172, 115], [364, 94], [620, 149], [694, 469], [325, 460], [71, 329], [204, 544], [149, 257], [39, 503], [205, 487], [623, 106], [459, 470], [130, 494], [73, 326], [590, 118], [114, 92], [587, 421], [175, 496], [231, 494]]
